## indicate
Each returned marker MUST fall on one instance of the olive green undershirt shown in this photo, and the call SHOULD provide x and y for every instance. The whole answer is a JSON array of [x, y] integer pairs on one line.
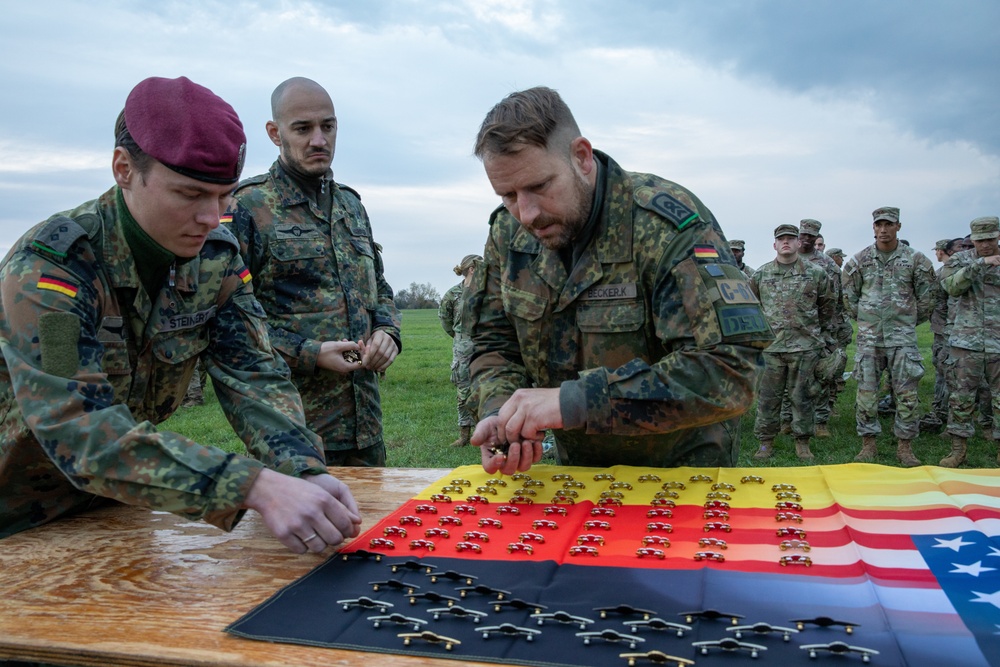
[[152, 261]]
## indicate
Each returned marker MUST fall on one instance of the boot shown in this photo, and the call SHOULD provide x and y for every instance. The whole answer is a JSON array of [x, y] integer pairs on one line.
[[463, 438], [868, 450], [904, 452], [766, 450], [956, 457], [822, 431], [802, 449]]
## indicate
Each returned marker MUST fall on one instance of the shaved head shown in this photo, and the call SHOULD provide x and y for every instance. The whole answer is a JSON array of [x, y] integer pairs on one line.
[[280, 93]]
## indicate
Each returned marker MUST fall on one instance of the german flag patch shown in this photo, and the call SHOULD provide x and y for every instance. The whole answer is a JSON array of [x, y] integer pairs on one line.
[[706, 252], [245, 276], [226, 219], [57, 285]]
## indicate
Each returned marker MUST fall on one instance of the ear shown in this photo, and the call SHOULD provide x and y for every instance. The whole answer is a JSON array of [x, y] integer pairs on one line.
[[582, 155], [122, 168], [272, 133]]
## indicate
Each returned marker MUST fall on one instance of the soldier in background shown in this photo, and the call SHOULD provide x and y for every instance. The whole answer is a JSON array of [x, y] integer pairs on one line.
[[318, 273], [889, 289], [105, 311], [933, 421], [451, 313], [609, 307], [799, 303], [738, 247], [843, 332], [973, 279], [837, 255], [821, 243]]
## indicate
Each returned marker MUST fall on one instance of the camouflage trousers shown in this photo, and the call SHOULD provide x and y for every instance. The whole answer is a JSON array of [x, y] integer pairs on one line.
[[462, 379], [369, 457], [939, 355], [905, 367], [791, 374], [969, 370]]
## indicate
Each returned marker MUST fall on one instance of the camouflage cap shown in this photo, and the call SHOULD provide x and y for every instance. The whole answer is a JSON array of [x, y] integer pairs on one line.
[[985, 228], [737, 244], [889, 213], [810, 226], [942, 244], [786, 230], [835, 252]]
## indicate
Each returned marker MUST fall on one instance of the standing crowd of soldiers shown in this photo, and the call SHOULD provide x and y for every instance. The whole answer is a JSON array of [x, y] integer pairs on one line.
[[887, 288]]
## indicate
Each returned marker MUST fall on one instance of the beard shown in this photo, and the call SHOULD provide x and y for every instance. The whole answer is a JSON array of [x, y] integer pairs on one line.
[[563, 230]]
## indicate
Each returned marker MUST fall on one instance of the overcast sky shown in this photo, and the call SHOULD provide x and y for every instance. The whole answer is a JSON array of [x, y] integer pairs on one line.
[[770, 111]]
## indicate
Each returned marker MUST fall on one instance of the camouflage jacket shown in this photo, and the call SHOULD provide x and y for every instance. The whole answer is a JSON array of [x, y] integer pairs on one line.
[[450, 313], [748, 270], [655, 338], [91, 362], [976, 290], [799, 303], [843, 331], [889, 298], [940, 322], [319, 277]]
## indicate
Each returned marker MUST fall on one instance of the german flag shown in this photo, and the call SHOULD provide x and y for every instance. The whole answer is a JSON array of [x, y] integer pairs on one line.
[[705, 252], [54, 284], [903, 562], [245, 276], [226, 219]]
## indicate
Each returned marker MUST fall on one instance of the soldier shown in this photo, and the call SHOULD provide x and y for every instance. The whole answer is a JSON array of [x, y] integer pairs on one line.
[[105, 311], [820, 243], [799, 303], [837, 255], [318, 273], [934, 421], [808, 250], [889, 291], [609, 307], [738, 247], [451, 313], [973, 279]]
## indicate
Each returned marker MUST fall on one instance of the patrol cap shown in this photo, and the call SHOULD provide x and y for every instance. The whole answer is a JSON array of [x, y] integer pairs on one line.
[[737, 244], [942, 244], [889, 213], [810, 226], [835, 252], [786, 230], [985, 228], [188, 128]]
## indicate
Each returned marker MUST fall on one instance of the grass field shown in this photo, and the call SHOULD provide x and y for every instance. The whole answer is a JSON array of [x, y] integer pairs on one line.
[[420, 417]]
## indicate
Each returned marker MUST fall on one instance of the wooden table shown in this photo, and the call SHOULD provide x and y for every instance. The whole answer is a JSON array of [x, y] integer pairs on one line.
[[126, 586]]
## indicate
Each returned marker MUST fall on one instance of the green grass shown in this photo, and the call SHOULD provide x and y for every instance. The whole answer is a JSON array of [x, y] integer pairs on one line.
[[420, 417]]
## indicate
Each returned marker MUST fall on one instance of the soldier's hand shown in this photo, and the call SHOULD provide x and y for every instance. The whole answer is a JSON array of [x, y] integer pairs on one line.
[[331, 356], [497, 454], [991, 260], [528, 413], [304, 515], [379, 352]]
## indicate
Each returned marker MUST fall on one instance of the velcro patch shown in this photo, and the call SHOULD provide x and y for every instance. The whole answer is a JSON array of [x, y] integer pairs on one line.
[[673, 210], [714, 270], [58, 337], [598, 292], [737, 320], [736, 291]]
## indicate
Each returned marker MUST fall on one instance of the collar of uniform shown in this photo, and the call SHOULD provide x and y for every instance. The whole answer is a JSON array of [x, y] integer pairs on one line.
[[289, 192], [116, 254]]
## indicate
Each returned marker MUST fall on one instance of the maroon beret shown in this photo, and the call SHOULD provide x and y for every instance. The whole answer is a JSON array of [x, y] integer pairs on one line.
[[188, 128]]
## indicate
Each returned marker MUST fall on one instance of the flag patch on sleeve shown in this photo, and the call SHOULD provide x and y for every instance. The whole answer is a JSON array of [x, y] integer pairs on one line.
[[226, 219], [245, 276], [706, 252], [58, 285]]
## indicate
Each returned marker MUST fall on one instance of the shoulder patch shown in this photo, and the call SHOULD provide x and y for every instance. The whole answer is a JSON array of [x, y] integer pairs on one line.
[[253, 180], [56, 236], [349, 189], [222, 233], [672, 209]]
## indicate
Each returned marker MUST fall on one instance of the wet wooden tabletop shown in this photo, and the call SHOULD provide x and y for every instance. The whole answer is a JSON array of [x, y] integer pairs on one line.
[[126, 586]]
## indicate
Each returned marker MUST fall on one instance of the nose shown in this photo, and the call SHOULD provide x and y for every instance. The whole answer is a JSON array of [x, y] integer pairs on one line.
[[317, 138], [526, 209], [209, 213]]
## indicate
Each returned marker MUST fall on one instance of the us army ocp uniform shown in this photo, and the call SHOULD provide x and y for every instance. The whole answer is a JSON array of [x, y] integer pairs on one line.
[[654, 339]]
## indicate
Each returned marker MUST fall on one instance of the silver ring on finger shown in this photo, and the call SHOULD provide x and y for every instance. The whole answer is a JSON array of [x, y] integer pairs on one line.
[[305, 540]]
